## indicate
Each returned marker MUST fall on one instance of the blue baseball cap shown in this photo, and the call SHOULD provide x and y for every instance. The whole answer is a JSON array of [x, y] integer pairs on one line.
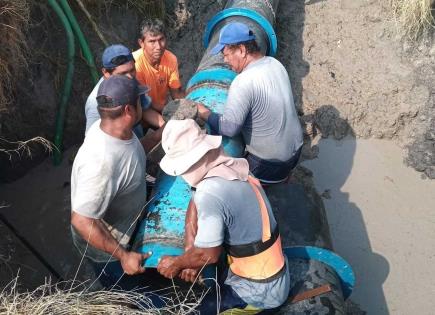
[[232, 33], [121, 90], [116, 55]]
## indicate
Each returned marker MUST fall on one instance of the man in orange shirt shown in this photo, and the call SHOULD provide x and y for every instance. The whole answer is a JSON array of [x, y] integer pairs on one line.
[[157, 68]]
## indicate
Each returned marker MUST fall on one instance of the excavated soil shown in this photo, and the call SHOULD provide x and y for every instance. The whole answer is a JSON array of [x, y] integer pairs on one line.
[[350, 70]]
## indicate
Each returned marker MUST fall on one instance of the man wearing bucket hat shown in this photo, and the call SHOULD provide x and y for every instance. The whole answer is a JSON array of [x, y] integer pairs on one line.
[[260, 106], [231, 212], [108, 189], [117, 60]]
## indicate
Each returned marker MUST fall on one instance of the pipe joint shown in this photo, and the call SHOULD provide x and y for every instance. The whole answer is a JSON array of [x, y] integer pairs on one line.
[[247, 13]]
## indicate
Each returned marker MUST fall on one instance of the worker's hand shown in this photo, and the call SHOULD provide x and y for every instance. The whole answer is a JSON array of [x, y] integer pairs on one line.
[[168, 268], [189, 275], [132, 262], [203, 112]]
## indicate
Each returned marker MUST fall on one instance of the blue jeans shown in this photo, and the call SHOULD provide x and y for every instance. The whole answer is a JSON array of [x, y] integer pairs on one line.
[[269, 172], [227, 299]]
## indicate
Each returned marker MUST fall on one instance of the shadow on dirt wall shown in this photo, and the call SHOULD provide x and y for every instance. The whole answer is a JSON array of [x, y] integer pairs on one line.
[[346, 220], [290, 27]]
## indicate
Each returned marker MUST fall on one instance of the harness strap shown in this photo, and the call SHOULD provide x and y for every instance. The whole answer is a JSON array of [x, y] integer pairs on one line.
[[258, 260], [255, 184]]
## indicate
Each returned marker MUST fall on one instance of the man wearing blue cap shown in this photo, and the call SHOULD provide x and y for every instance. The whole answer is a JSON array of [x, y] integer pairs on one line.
[[117, 60], [260, 106], [108, 188]]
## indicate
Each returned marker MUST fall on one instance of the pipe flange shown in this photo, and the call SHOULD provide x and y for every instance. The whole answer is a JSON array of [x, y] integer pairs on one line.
[[338, 264], [222, 75], [253, 15]]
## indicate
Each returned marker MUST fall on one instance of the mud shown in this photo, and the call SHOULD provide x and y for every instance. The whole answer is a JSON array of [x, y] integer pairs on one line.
[[180, 109], [346, 55]]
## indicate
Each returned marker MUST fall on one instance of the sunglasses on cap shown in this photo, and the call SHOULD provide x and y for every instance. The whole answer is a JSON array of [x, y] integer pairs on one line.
[[120, 60]]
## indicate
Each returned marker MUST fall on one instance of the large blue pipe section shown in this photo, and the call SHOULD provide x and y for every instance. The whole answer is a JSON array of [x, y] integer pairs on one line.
[[303, 226], [162, 232]]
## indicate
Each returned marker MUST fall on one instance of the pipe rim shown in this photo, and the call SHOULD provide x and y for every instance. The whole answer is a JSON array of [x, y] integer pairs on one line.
[[256, 17]]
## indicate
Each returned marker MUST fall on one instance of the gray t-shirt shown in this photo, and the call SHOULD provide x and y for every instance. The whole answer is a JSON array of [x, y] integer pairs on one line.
[[108, 183], [91, 111], [260, 105], [228, 212]]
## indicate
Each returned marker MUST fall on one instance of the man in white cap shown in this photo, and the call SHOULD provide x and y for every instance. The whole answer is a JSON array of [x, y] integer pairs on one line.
[[260, 106], [230, 212], [108, 189]]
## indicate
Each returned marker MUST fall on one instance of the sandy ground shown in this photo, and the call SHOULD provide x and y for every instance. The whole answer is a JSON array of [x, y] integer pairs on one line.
[[381, 217]]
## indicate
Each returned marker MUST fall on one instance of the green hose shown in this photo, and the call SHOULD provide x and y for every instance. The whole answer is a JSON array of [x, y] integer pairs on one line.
[[60, 119], [82, 40]]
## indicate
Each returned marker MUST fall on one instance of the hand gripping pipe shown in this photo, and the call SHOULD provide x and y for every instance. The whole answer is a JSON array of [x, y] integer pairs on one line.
[[303, 226]]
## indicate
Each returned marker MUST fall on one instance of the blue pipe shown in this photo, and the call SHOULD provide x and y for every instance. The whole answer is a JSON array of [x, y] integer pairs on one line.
[[162, 232]]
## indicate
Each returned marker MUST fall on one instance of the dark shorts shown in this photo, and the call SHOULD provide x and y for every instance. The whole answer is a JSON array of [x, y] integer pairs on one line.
[[269, 172]]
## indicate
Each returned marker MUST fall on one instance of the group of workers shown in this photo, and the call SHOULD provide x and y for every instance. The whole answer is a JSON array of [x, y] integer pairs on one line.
[[229, 214]]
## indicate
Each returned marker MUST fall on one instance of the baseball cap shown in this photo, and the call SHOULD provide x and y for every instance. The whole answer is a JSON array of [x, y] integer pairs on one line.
[[232, 33], [119, 90], [116, 55]]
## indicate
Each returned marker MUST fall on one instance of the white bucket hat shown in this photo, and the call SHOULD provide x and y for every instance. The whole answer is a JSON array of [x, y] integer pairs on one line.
[[185, 144]]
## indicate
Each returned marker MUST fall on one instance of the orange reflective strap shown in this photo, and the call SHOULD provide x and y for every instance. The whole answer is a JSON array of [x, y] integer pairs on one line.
[[270, 261], [255, 184], [260, 266]]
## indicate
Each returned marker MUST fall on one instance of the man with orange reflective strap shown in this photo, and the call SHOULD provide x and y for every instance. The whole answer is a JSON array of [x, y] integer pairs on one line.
[[157, 68], [230, 212]]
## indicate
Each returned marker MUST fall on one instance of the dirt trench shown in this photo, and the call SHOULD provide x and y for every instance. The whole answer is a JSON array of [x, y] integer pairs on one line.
[[350, 71]]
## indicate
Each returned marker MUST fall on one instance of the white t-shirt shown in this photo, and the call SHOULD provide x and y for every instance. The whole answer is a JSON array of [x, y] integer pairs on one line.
[[108, 183], [91, 107]]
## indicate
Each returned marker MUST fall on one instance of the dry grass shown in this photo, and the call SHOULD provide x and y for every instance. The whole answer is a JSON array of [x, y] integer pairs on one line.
[[55, 299], [150, 8], [21, 148], [14, 21], [414, 16]]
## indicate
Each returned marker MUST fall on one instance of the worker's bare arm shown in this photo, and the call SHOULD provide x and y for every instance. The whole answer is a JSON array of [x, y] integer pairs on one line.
[[96, 234], [190, 229], [152, 117], [203, 112], [151, 139], [194, 258]]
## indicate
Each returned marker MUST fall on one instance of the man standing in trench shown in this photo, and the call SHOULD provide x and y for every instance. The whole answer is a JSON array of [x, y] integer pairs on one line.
[[157, 68], [228, 211], [117, 60], [260, 106], [108, 189]]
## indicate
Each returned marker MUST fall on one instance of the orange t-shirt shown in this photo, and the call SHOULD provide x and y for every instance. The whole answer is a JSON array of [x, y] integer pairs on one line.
[[158, 80]]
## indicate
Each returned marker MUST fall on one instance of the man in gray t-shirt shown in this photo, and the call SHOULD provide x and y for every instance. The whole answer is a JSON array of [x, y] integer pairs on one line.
[[230, 212], [260, 106]]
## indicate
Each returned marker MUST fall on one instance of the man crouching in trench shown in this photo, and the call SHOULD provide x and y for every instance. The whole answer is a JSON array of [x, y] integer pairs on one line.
[[230, 212]]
